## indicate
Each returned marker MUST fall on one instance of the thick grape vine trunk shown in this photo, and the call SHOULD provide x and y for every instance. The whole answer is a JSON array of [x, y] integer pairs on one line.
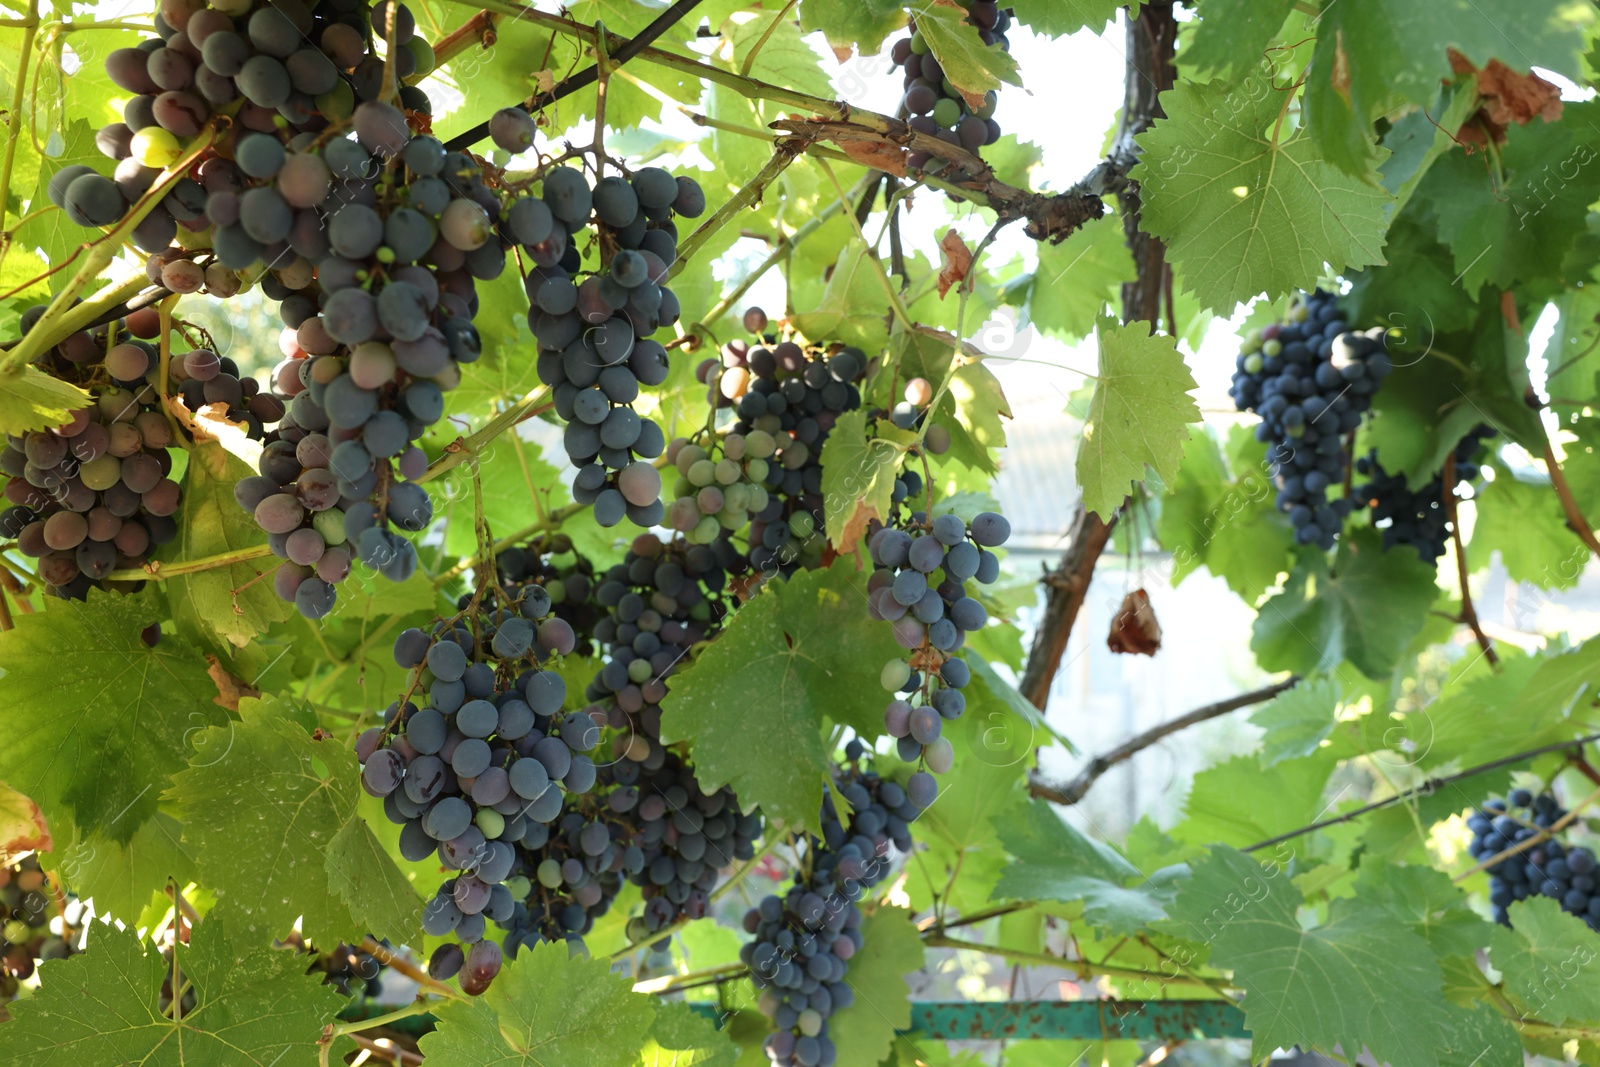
[[1152, 38]]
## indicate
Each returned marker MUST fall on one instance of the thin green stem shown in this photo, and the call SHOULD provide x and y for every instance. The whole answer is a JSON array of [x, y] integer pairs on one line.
[[28, 34], [61, 319], [160, 572], [766, 35], [420, 1007], [460, 450], [785, 153], [868, 249], [552, 521]]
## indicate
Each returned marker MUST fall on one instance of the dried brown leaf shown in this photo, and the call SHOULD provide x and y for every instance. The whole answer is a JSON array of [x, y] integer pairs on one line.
[[957, 261]]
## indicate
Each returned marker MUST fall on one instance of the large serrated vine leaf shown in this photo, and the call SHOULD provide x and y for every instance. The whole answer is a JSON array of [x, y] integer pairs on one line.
[[1077, 279], [1139, 416], [546, 1010], [254, 1005], [1357, 979], [1365, 610], [973, 67], [862, 23], [1373, 55], [890, 950], [100, 732], [1549, 962], [682, 1037], [212, 523], [1510, 228], [1053, 861], [1240, 802], [1297, 721], [753, 705], [273, 812], [858, 474], [1056, 18], [1247, 205], [1233, 35], [121, 878], [32, 400]]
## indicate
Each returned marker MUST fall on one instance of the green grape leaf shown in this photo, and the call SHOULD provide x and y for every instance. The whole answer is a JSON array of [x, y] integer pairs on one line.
[[785, 57], [1524, 523], [682, 1037], [1053, 861], [853, 307], [210, 523], [1518, 228], [1417, 138], [1245, 205], [546, 1010], [973, 67], [858, 474], [1232, 35], [1549, 962], [520, 487], [1573, 354], [254, 1004], [1139, 416], [1366, 609], [1297, 721], [1076, 280], [274, 813], [890, 950], [1231, 526], [1373, 55], [862, 23], [1427, 901], [994, 747], [32, 400], [101, 737], [121, 878], [1240, 802], [1055, 18], [1360, 978], [800, 652]]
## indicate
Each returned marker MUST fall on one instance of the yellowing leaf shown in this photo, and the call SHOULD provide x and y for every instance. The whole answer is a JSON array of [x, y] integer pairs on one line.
[[32, 400]]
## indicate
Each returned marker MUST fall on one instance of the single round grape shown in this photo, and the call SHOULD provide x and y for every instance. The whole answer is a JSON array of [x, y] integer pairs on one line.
[[512, 129], [990, 529], [922, 789], [465, 225], [264, 81], [691, 199], [94, 200]]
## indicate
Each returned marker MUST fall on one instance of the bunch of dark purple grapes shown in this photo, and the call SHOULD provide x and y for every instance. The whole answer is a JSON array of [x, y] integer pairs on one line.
[[1418, 518], [664, 599], [933, 105], [786, 400], [279, 67], [388, 232], [1550, 868], [805, 939], [483, 766], [1310, 378], [27, 910], [919, 586], [95, 494], [594, 326]]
